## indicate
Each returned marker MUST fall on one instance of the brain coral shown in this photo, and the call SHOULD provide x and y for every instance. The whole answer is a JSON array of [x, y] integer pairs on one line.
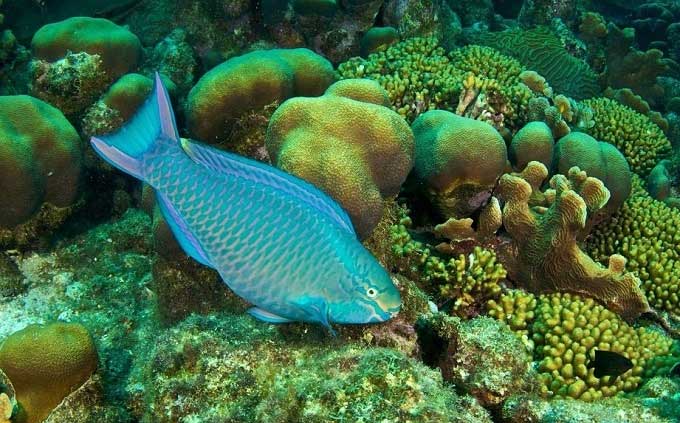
[[459, 158], [598, 159], [647, 232], [251, 82], [638, 138], [40, 158], [533, 142], [46, 363], [565, 331], [118, 48], [358, 152]]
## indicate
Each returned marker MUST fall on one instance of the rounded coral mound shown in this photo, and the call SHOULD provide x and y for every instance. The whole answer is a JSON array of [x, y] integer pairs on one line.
[[377, 39], [459, 158], [565, 331], [118, 48], [249, 83], [598, 159], [641, 141], [40, 159], [358, 152], [534, 142], [45, 363]]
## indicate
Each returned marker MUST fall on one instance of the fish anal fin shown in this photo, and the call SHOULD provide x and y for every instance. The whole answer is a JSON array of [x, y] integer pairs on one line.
[[266, 316], [179, 228]]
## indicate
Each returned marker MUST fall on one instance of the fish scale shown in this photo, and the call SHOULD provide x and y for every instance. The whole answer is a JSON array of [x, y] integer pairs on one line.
[[276, 240]]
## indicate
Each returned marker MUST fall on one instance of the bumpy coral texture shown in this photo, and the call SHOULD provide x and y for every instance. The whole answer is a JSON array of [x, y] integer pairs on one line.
[[460, 160], [358, 152], [118, 48], [647, 232], [534, 142], [638, 138], [544, 255], [249, 83], [40, 158], [564, 330], [46, 363]]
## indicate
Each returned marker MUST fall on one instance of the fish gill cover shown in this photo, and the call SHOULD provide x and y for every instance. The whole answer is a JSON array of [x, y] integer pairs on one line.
[[479, 199]]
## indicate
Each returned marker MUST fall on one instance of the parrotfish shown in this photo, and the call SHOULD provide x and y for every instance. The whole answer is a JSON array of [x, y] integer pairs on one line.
[[277, 241]]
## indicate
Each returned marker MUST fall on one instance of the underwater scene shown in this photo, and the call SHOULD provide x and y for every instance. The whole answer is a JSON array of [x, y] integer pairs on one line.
[[339, 211]]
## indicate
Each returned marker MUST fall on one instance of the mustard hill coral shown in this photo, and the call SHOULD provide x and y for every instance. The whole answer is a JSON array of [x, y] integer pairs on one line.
[[638, 138], [249, 83], [118, 48], [565, 330], [646, 232], [46, 363], [40, 160], [460, 160], [358, 152], [544, 255]]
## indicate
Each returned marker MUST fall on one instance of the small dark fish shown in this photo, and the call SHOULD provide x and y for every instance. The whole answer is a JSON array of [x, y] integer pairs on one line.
[[609, 363], [675, 370]]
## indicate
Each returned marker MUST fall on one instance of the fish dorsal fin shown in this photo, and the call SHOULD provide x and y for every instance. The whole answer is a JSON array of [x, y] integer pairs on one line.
[[254, 171], [180, 229]]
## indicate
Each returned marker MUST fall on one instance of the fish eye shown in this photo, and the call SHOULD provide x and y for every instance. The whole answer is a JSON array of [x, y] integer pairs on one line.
[[371, 293]]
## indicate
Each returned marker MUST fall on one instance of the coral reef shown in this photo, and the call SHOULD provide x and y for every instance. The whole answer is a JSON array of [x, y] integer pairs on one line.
[[118, 48], [232, 89], [638, 138], [563, 331], [544, 255], [40, 163], [534, 142], [645, 231], [45, 363], [174, 58], [361, 151], [377, 39], [460, 159]]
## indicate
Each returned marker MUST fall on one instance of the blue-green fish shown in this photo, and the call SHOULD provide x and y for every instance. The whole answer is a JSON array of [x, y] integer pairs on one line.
[[276, 240]]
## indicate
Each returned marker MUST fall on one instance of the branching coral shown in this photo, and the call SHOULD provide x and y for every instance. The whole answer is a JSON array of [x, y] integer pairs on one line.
[[564, 330], [647, 233], [544, 255], [638, 138]]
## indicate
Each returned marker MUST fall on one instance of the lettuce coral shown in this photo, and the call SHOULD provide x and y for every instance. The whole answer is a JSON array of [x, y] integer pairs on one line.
[[635, 135], [564, 331]]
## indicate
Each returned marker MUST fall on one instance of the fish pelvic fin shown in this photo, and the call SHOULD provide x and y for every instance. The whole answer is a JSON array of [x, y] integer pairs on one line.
[[266, 316], [316, 309], [154, 121]]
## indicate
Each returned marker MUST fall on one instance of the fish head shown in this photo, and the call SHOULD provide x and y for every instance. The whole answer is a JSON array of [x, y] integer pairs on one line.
[[369, 296]]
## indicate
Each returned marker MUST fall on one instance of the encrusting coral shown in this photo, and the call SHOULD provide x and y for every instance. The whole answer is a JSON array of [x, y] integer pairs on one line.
[[640, 140], [563, 331], [358, 152], [45, 363], [544, 255]]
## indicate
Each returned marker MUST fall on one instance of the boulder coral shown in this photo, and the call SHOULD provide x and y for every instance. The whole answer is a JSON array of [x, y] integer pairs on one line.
[[599, 160], [45, 363], [544, 255], [40, 160], [378, 39], [358, 152], [118, 48], [249, 83], [460, 160], [534, 142]]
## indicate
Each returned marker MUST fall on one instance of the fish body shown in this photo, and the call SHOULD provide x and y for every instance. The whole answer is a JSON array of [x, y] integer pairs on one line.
[[609, 363], [277, 241]]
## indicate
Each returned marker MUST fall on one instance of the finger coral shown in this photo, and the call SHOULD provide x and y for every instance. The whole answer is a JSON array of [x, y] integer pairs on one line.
[[40, 164], [544, 255], [358, 152], [249, 83], [638, 138], [565, 330], [460, 159], [45, 363]]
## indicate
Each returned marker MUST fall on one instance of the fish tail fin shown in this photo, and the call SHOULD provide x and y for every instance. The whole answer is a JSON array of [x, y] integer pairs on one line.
[[153, 122]]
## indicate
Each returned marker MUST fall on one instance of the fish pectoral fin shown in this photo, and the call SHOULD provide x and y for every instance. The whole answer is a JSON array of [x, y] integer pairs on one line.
[[266, 316], [316, 308]]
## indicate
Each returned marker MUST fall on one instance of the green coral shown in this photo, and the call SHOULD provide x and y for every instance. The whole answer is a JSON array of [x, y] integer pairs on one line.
[[635, 135], [647, 232], [565, 330], [540, 50]]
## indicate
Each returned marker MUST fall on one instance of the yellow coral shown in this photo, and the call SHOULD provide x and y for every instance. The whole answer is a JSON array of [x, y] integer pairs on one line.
[[640, 140], [647, 232]]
